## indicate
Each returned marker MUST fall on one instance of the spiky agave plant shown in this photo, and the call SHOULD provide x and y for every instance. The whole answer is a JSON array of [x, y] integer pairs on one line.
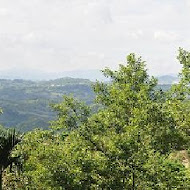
[[8, 140]]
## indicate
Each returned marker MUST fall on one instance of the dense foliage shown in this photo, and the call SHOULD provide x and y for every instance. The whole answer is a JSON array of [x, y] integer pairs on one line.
[[135, 141]]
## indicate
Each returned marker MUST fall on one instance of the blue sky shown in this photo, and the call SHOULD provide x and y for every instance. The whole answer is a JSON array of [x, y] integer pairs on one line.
[[62, 35]]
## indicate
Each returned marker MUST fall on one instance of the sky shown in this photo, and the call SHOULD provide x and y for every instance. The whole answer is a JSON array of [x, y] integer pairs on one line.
[[66, 35]]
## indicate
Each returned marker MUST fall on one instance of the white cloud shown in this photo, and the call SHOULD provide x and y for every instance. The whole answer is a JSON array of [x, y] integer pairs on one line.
[[136, 34], [166, 36], [67, 35], [188, 2], [3, 12]]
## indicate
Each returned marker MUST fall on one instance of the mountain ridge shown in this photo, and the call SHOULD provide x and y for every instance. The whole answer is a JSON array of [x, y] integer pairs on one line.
[[92, 75]]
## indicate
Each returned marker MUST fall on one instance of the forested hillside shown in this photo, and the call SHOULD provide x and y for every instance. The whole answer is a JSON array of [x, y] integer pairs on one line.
[[26, 104]]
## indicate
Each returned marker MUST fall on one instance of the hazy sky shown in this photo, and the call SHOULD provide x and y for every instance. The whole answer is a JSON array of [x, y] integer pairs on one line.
[[61, 35]]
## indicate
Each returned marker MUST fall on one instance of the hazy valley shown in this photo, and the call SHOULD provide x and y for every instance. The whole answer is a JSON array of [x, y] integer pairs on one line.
[[26, 103]]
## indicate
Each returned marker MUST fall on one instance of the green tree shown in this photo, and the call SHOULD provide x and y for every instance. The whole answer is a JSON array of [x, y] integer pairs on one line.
[[41, 151], [71, 114], [8, 140], [134, 125], [126, 145]]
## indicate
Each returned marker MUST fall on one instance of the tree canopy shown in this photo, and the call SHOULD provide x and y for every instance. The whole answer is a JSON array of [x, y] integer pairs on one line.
[[130, 143]]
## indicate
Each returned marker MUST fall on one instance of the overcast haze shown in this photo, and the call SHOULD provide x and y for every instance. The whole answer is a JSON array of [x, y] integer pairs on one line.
[[65, 35]]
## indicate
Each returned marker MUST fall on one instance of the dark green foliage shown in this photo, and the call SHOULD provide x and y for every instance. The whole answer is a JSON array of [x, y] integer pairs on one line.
[[8, 140]]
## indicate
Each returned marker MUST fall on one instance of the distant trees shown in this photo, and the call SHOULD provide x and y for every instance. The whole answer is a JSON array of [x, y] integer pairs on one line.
[[26, 103], [129, 143]]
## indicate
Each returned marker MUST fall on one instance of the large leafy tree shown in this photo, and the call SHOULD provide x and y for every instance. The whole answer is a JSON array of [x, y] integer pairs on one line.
[[126, 145], [134, 128]]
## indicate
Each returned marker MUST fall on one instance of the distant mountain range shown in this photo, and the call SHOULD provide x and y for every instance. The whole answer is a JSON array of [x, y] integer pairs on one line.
[[35, 75], [168, 79], [92, 75]]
